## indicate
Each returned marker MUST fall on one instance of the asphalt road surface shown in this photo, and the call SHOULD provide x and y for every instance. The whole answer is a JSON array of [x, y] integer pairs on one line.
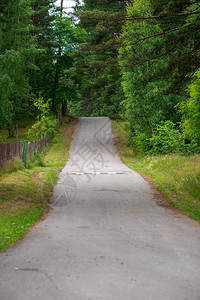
[[105, 238]]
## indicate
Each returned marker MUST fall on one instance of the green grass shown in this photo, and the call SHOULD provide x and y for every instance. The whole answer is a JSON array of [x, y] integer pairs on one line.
[[24, 192], [177, 177]]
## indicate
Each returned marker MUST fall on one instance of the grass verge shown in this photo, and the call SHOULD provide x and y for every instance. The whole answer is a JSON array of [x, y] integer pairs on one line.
[[177, 177], [24, 192]]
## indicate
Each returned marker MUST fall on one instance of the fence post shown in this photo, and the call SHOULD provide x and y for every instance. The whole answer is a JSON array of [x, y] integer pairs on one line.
[[25, 155], [60, 113], [24, 151], [28, 149], [58, 120], [16, 132], [34, 147], [8, 151], [19, 149], [3, 153]]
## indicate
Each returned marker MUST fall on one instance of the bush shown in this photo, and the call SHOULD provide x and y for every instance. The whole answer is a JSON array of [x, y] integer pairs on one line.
[[192, 147], [36, 160], [140, 140], [45, 127], [167, 139], [46, 124]]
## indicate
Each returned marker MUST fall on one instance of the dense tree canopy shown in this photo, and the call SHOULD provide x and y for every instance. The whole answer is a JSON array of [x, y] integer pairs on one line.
[[135, 59], [100, 91], [17, 46], [37, 43], [158, 53]]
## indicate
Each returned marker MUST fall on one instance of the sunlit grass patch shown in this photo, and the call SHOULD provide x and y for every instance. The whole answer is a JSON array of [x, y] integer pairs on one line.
[[14, 224]]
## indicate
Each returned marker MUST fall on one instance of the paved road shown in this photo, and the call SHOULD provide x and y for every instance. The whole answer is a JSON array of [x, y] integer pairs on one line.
[[105, 237]]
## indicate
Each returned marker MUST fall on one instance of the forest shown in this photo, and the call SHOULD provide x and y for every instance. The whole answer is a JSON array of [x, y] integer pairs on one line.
[[134, 60]]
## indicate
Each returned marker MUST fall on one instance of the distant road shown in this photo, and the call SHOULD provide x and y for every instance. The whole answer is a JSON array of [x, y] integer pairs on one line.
[[105, 239]]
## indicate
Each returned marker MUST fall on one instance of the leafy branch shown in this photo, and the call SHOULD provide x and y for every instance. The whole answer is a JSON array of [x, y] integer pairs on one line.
[[81, 16], [140, 39]]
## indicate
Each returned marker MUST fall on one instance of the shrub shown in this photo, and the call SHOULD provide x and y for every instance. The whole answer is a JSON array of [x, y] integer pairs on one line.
[[46, 124], [167, 139], [35, 160], [45, 127], [140, 140]]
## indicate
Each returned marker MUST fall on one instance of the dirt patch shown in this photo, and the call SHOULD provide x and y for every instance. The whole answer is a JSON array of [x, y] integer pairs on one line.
[[160, 199], [16, 204], [69, 132], [158, 196]]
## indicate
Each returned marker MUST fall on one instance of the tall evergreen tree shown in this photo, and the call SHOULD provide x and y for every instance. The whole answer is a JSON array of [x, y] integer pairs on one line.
[[158, 52], [100, 81], [58, 36], [42, 17], [17, 47]]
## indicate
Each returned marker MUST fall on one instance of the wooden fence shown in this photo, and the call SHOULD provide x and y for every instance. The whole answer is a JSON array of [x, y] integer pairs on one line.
[[10, 151]]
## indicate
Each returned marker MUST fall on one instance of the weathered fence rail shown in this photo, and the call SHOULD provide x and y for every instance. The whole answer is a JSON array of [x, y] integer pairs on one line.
[[22, 149]]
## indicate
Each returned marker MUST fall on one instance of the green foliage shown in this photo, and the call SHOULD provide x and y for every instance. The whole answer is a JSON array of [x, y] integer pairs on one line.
[[166, 139], [37, 44], [179, 45], [36, 160], [154, 69], [17, 46], [190, 110], [45, 127], [99, 80], [46, 124], [43, 107], [110, 63], [56, 79], [146, 103], [140, 142]]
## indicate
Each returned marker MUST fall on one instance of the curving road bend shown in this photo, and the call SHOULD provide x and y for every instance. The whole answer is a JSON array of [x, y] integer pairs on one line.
[[105, 238]]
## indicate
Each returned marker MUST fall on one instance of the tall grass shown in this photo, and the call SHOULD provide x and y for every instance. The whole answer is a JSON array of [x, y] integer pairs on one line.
[[176, 176]]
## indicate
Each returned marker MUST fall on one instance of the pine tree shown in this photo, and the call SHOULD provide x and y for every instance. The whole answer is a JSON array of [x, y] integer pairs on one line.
[[97, 67], [17, 47], [158, 53], [42, 18], [58, 36]]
